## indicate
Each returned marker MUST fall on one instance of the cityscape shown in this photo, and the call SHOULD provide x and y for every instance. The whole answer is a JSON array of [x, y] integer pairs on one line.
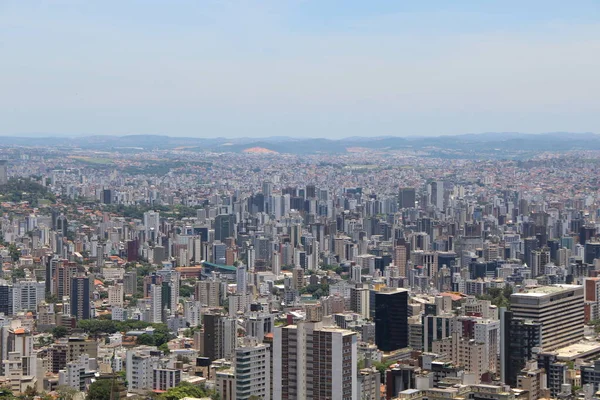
[[371, 274], [299, 200]]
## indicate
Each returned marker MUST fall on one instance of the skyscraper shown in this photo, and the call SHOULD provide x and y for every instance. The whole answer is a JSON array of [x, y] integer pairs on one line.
[[80, 297], [519, 339], [314, 362], [391, 319], [3, 172], [224, 226], [252, 371], [407, 198]]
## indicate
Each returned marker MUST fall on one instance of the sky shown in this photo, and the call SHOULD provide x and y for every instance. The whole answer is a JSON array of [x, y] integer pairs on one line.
[[301, 68]]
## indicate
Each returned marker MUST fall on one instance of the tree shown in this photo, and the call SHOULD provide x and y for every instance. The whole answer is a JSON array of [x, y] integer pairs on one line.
[[18, 273], [184, 389], [66, 392], [100, 390], [145, 339], [6, 394], [164, 348], [59, 331]]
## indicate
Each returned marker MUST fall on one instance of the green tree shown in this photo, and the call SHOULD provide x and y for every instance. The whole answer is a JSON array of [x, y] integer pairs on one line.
[[164, 348], [145, 339], [6, 394], [184, 389], [14, 252], [59, 331], [100, 390], [18, 273], [66, 392]]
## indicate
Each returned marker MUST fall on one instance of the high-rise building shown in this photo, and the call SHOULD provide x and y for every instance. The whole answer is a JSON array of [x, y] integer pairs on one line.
[[224, 227], [560, 310], [311, 361], [519, 339], [27, 295], [252, 371], [208, 293], [155, 294], [80, 297], [391, 319], [3, 172], [130, 282], [152, 225], [407, 198], [116, 294], [218, 337]]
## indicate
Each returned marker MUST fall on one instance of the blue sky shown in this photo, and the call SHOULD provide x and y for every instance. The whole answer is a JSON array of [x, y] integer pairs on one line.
[[299, 68]]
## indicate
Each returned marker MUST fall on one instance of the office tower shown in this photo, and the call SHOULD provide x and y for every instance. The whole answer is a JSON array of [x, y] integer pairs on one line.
[[152, 225], [241, 278], [208, 293], [560, 310], [218, 337], [132, 250], [116, 294], [107, 196], [586, 233], [64, 272], [400, 258], [391, 319], [592, 252], [252, 371], [155, 294], [224, 227], [519, 339], [3, 172], [276, 263], [6, 299], [436, 191], [80, 297], [314, 362], [197, 250], [130, 282], [407, 198]]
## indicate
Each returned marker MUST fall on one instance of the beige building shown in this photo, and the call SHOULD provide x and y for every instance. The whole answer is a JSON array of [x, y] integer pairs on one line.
[[560, 310]]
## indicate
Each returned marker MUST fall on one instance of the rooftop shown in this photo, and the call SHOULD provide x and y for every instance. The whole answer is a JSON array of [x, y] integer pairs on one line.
[[540, 291]]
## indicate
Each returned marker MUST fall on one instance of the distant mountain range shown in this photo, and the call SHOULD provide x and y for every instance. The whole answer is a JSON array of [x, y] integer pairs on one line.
[[490, 144]]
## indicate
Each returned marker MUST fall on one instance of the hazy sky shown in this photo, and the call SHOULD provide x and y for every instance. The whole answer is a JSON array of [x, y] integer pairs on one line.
[[301, 68]]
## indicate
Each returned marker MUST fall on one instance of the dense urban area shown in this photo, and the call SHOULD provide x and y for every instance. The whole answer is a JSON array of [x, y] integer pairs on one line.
[[365, 274]]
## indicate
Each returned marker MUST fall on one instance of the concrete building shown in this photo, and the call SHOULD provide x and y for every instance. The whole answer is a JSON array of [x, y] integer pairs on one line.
[[311, 361], [252, 370], [560, 310], [116, 294]]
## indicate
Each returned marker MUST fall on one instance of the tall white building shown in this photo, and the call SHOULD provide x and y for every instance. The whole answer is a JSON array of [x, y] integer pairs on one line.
[[155, 304], [116, 294], [252, 371], [311, 361], [152, 225], [27, 295]]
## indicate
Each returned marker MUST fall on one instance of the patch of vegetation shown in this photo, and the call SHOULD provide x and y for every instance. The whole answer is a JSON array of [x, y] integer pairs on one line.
[[23, 189]]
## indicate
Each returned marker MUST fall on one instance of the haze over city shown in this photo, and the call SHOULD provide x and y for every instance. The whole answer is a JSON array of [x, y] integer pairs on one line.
[[299, 200]]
